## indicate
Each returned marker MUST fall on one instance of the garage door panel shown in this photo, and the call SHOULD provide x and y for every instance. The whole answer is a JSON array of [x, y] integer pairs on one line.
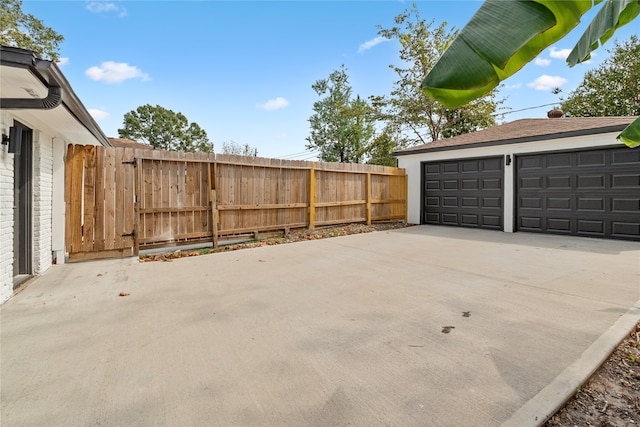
[[531, 202], [625, 157], [451, 202], [432, 169], [558, 160], [492, 202], [591, 204], [622, 229], [449, 219], [492, 221], [470, 184], [531, 162], [432, 217], [492, 165], [591, 158], [450, 168], [433, 201], [432, 185], [591, 227], [530, 223], [469, 219], [469, 193], [562, 182], [470, 202], [625, 205], [559, 203], [470, 166], [591, 181], [559, 224], [596, 193], [531, 182], [626, 180], [492, 184], [451, 184]]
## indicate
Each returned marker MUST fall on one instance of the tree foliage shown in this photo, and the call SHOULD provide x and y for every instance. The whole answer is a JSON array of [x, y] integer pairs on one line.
[[26, 31], [341, 126], [612, 89], [164, 129], [408, 107], [232, 147]]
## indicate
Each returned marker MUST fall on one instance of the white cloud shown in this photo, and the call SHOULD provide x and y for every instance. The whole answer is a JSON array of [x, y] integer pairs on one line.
[[371, 43], [98, 114], [513, 86], [282, 136], [62, 62], [545, 82], [274, 104], [115, 72], [543, 62], [559, 53], [106, 7]]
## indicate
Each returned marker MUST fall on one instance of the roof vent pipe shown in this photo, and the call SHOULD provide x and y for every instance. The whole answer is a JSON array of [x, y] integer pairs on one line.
[[555, 114], [53, 99]]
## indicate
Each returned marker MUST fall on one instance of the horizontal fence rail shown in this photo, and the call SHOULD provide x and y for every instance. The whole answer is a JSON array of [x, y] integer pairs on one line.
[[122, 200]]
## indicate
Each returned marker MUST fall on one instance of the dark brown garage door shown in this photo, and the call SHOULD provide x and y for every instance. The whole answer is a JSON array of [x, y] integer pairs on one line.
[[465, 193], [584, 193]]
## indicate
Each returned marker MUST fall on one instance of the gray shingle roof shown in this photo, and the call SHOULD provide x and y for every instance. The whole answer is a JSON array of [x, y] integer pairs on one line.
[[526, 130]]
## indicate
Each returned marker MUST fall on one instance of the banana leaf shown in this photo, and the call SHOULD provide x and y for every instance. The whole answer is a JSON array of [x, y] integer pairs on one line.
[[611, 16], [503, 36], [631, 134]]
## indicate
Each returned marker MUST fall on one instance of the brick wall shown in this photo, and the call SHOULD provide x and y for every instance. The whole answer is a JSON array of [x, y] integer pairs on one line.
[[6, 217], [42, 201]]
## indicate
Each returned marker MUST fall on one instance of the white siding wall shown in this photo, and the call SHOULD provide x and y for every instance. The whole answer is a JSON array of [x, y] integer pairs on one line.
[[6, 215], [412, 163]]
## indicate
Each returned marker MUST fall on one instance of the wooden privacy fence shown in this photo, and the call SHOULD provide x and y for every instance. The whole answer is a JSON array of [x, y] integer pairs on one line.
[[121, 200]]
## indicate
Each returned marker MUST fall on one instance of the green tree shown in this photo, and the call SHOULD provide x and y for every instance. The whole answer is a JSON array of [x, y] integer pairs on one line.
[[408, 107], [503, 36], [232, 147], [612, 89], [26, 31], [382, 147], [164, 129], [341, 127]]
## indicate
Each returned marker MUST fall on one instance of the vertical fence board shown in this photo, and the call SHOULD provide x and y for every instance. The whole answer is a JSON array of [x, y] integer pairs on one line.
[[109, 199], [99, 209]]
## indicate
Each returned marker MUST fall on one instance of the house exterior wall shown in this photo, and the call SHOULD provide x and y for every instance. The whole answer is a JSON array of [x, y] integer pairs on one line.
[[42, 201], [48, 193], [6, 215], [412, 163]]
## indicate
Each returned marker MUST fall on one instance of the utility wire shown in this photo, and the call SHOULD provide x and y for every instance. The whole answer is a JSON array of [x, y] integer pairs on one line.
[[524, 109]]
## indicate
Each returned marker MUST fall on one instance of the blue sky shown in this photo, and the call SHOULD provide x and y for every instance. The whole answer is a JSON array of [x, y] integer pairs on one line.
[[243, 70]]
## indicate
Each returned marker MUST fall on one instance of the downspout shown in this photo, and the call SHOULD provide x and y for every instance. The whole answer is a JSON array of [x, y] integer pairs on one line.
[[53, 99]]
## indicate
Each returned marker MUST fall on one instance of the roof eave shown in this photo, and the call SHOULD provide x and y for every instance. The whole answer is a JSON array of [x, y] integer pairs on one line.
[[547, 137], [51, 76]]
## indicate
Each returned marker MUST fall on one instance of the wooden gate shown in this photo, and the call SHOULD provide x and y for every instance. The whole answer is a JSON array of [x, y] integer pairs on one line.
[[100, 197]]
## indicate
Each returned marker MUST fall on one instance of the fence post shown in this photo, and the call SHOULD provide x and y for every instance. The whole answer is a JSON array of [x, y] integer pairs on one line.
[[136, 206], [213, 200], [368, 198], [214, 218], [312, 196]]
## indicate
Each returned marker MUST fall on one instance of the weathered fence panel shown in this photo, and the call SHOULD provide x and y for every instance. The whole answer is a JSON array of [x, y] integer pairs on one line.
[[120, 200]]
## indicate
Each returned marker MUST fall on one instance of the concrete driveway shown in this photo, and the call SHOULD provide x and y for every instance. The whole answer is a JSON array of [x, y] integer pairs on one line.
[[421, 326]]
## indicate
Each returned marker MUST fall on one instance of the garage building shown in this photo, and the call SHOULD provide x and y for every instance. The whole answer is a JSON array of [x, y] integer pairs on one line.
[[565, 176]]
